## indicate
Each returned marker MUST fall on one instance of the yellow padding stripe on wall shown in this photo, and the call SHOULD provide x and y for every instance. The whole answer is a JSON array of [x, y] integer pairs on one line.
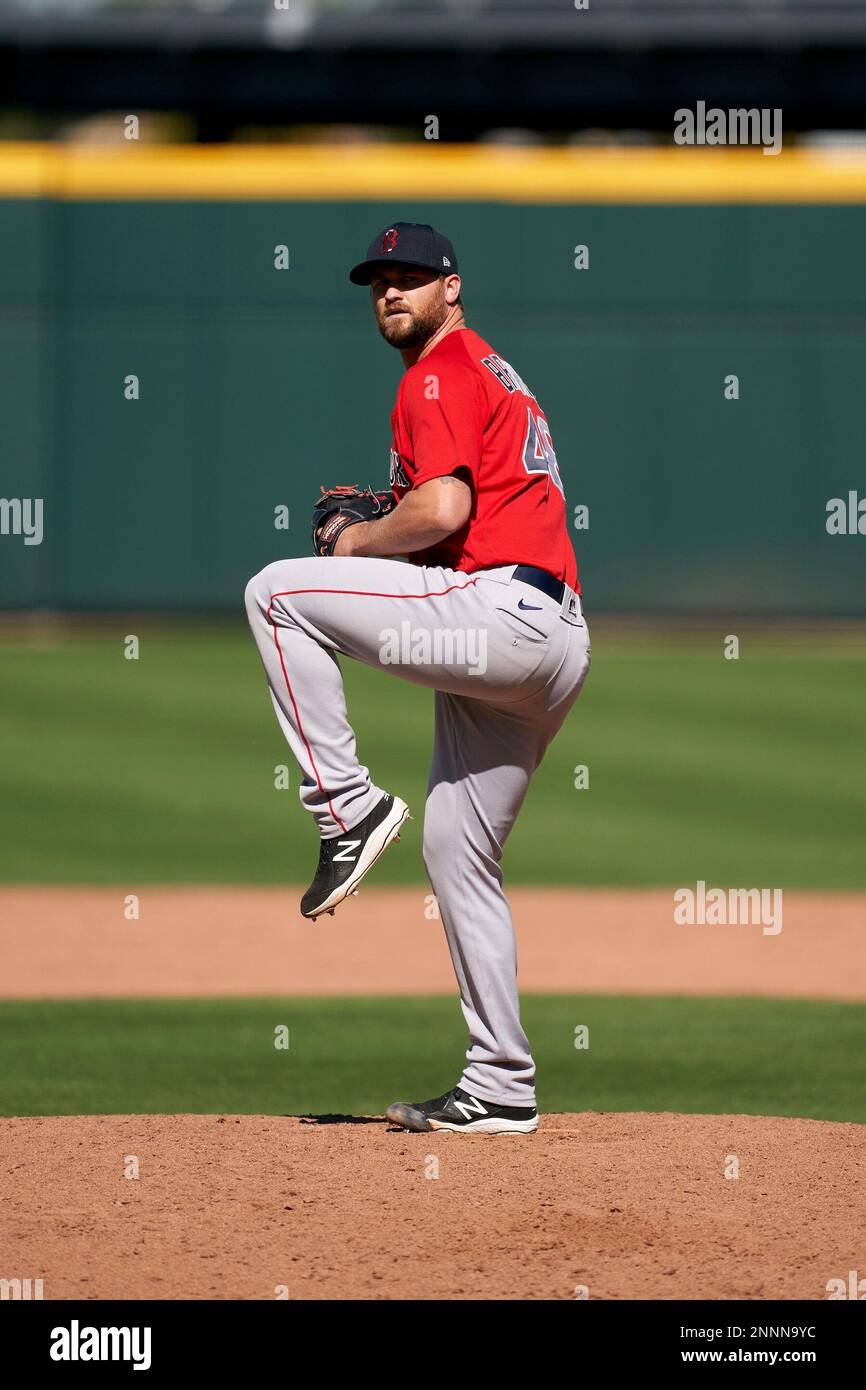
[[427, 171]]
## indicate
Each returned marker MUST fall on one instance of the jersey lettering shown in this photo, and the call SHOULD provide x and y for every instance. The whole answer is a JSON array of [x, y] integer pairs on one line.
[[538, 452], [396, 471], [505, 373]]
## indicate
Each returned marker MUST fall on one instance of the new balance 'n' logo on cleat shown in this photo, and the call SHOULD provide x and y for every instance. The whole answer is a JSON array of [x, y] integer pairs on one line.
[[464, 1114], [344, 860]]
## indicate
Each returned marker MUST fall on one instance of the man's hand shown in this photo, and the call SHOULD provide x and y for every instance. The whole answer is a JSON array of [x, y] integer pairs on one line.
[[340, 507], [425, 516], [344, 544]]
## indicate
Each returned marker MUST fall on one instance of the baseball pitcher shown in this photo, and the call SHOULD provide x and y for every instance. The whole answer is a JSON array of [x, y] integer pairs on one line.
[[483, 606]]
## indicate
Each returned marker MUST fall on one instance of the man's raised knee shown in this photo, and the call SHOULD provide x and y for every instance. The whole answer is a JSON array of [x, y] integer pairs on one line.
[[271, 582]]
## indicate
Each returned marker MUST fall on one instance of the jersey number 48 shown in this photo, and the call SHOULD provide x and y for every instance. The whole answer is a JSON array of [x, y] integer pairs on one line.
[[538, 452]]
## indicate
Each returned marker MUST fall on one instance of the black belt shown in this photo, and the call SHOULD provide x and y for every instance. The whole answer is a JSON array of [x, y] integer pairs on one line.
[[540, 579]]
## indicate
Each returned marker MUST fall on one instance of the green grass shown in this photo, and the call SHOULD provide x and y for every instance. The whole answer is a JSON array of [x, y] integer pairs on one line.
[[725, 1056], [744, 773]]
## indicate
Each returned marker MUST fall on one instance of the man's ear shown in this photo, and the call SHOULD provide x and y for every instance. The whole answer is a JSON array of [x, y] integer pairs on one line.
[[452, 289]]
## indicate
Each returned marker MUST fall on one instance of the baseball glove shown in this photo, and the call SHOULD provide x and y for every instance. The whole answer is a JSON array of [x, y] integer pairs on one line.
[[339, 507]]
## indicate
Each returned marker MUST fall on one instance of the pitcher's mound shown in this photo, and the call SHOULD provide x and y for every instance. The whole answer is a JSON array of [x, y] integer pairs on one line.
[[593, 1205]]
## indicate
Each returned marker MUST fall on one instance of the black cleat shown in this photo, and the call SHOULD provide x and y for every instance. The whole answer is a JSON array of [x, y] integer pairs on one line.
[[344, 859], [464, 1114]]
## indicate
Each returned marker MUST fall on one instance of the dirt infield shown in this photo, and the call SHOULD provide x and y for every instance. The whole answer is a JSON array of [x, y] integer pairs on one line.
[[610, 1206], [257, 1207], [74, 942]]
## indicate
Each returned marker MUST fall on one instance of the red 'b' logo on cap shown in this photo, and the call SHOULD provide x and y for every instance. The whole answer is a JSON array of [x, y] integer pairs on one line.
[[389, 240]]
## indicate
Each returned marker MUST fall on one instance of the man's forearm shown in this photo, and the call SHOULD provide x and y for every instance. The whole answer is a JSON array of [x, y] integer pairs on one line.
[[391, 535], [419, 520]]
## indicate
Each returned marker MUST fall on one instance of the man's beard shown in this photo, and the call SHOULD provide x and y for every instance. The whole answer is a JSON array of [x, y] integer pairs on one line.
[[413, 329]]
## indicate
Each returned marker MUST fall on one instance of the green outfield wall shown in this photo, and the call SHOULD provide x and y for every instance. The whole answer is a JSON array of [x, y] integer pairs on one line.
[[257, 384]]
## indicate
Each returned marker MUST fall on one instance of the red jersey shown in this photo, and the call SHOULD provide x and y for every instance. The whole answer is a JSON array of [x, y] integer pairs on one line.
[[462, 408]]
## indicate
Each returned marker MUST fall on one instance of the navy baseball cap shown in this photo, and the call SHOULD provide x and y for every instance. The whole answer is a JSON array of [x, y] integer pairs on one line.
[[407, 243]]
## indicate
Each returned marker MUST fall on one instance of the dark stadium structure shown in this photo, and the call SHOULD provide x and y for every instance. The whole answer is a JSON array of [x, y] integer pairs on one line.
[[546, 66]]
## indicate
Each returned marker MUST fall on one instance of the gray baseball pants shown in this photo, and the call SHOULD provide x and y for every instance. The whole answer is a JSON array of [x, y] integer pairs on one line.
[[507, 662]]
